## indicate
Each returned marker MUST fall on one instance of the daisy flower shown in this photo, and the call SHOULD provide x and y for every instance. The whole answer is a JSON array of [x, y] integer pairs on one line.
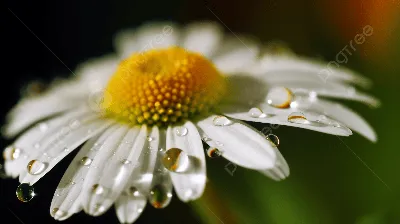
[[143, 114]]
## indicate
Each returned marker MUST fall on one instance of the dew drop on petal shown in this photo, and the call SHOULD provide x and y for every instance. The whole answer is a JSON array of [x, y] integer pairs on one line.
[[11, 153], [279, 97], [181, 131], [206, 139], [159, 197], [43, 127], [126, 162], [256, 113], [273, 139], [213, 152], [56, 212], [175, 160], [36, 145], [98, 189], [35, 167], [149, 138], [133, 191], [298, 118], [86, 161], [25, 192], [221, 121]]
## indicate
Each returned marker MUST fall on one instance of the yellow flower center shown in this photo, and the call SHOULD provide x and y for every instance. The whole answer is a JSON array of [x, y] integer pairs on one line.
[[161, 87]]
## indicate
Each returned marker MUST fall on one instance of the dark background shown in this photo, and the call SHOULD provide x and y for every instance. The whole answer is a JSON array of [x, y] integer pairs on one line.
[[328, 183]]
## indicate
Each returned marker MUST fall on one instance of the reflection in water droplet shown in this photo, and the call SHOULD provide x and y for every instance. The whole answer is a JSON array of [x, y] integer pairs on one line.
[[181, 131], [279, 97], [35, 167], [256, 113], [273, 139], [213, 152], [25, 192], [159, 197], [175, 160], [149, 138], [221, 121], [86, 161], [298, 118], [98, 189]]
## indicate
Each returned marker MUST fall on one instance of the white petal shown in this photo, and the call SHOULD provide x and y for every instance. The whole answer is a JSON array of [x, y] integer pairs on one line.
[[129, 207], [202, 37], [303, 67], [341, 113], [111, 171], [236, 54], [189, 185], [147, 37], [280, 117], [281, 169], [61, 145], [240, 143], [31, 110], [29, 140], [66, 200]]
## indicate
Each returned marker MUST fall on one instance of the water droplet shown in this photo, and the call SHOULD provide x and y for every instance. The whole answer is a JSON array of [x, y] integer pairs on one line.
[[273, 139], [161, 149], [149, 138], [219, 143], [125, 161], [100, 208], [98, 189], [221, 121], [206, 139], [11, 153], [72, 183], [181, 131], [35, 167], [66, 149], [86, 161], [175, 160], [25, 192], [279, 97], [36, 145], [188, 193], [43, 127], [75, 124], [56, 212], [213, 152], [133, 191], [298, 118], [256, 113], [159, 197], [312, 96]]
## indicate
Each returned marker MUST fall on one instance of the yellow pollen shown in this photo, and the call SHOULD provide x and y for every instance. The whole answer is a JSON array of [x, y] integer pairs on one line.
[[162, 87]]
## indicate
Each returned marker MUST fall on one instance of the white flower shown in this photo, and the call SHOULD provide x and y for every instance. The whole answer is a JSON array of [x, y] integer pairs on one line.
[[143, 117]]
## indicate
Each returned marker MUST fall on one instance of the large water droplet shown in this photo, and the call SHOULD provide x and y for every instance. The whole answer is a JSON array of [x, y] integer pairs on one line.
[[279, 97], [175, 160], [273, 139], [25, 192], [213, 152], [256, 113], [86, 161], [35, 167], [98, 189], [221, 121], [181, 131], [159, 197], [298, 118]]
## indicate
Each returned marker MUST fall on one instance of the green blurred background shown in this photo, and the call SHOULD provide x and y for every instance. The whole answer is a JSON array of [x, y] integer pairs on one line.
[[330, 182]]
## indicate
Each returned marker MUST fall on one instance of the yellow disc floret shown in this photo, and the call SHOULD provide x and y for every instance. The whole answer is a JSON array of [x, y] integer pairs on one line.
[[162, 87]]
